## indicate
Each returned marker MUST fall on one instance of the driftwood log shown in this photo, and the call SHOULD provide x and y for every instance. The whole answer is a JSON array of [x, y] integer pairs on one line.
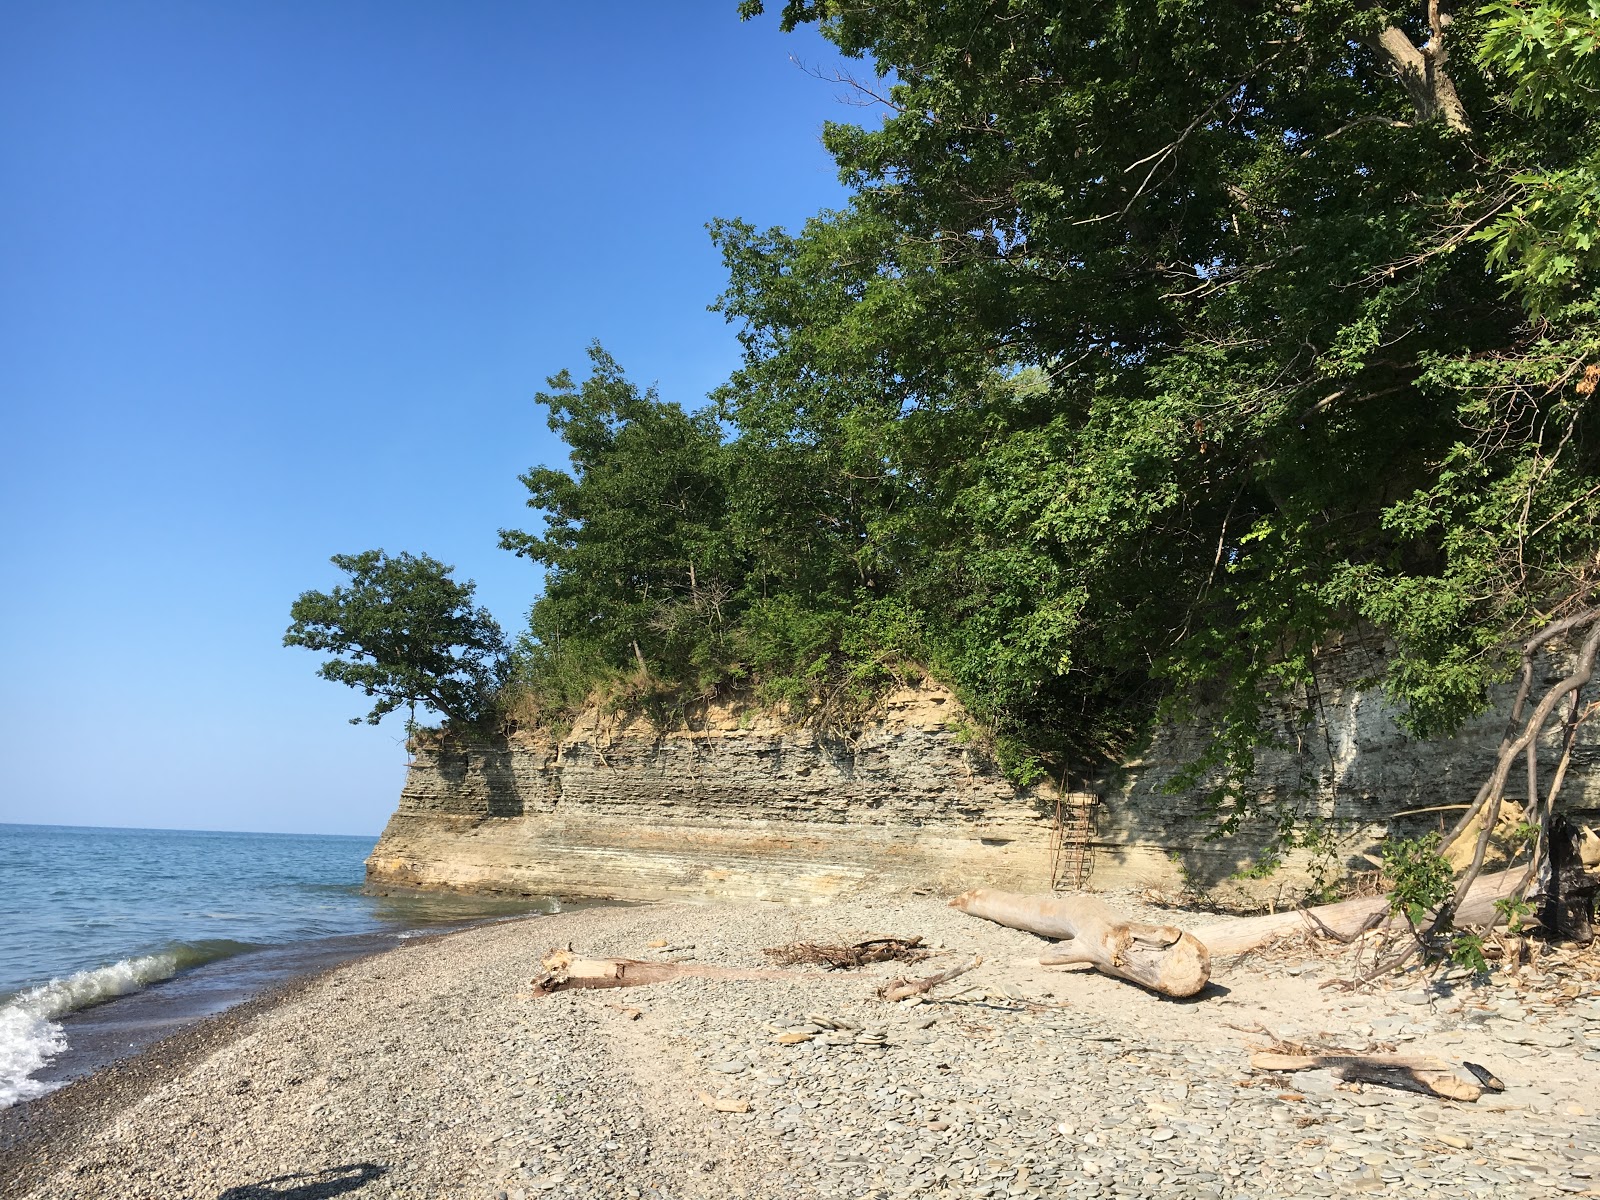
[[904, 989], [564, 971], [1162, 958], [1350, 918], [1411, 1073]]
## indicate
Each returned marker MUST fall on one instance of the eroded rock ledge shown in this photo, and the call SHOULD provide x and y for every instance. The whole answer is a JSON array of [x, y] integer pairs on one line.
[[742, 806], [738, 807]]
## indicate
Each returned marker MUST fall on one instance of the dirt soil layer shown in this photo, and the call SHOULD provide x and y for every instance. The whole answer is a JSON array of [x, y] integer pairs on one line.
[[430, 1071]]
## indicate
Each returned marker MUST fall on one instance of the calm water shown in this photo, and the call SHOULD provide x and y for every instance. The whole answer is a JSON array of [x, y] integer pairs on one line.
[[183, 923]]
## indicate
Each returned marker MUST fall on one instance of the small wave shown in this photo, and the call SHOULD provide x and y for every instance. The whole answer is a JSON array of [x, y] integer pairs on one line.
[[29, 1034]]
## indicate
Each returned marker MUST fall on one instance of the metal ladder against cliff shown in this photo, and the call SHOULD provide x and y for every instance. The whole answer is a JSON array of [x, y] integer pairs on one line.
[[1072, 855]]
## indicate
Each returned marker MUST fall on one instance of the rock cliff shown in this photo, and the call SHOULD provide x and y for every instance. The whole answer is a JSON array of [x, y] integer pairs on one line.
[[739, 806], [742, 806]]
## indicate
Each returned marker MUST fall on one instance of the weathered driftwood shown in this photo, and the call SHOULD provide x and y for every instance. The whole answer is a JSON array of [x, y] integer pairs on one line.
[[1349, 918], [564, 971], [845, 958], [904, 989], [1161, 957], [1411, 1073]]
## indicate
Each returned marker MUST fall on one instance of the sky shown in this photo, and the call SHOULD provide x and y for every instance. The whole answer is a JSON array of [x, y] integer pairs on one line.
[[278, 280]]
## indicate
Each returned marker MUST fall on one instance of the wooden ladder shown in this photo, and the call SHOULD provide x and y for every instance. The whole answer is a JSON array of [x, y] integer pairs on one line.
[[1072, 850]]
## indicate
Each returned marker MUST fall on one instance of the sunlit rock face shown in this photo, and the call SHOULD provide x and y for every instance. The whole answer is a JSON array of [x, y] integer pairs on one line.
[[739, 807], [744, 806]]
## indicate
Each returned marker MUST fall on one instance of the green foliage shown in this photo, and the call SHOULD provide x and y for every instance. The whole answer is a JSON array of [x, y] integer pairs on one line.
[[1158, 347], [404, 633], [1419, 879], [639, 570], [1514, 911], [1466, 950], [679, 562], [1546, 240]]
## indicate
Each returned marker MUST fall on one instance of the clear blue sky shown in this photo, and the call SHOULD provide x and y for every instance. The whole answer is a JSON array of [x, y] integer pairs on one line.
[[278, 279]]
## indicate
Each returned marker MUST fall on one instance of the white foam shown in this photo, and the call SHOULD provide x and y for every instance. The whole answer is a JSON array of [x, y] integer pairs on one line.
[[29, 1034]]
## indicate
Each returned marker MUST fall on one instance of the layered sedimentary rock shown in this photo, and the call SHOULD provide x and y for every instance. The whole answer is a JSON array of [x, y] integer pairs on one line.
[[739, 806], [1342, 764], [744, 806]]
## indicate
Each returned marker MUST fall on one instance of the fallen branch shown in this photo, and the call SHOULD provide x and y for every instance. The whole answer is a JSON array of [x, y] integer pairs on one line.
[[1425, 1074], [1556, 912], [563, 971], [844, 958], [1161, 957], [904, 989]]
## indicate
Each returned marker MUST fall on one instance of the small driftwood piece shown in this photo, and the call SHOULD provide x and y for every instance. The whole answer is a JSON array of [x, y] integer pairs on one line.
[[562, 971], [904, 989], [1348, 918], [1411, 1073], [1162, 958]]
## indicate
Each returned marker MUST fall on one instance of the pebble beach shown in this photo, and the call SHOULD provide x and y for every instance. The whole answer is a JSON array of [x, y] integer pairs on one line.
[[432, 1071]]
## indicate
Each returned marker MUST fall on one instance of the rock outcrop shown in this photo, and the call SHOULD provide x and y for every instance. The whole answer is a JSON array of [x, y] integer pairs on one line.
[[743, 806], [739, 806], [1342, 764]]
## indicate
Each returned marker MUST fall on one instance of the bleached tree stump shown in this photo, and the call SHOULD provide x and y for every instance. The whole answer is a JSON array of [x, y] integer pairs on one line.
[[1162, 958]]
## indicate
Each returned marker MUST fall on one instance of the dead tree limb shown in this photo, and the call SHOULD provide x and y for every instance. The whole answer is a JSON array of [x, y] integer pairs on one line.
[[1421, 71], [1525, 742], [904, 989], [1530, 650], [1160, 957], [563, 971], [1411, 1073]]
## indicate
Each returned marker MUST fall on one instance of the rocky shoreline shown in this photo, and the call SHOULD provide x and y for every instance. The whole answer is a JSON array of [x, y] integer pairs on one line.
[[430, 1071]]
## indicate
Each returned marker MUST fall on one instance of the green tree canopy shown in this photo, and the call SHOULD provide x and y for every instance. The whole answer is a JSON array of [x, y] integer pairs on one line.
[[405, 633], [1197, 336], [639, 567]]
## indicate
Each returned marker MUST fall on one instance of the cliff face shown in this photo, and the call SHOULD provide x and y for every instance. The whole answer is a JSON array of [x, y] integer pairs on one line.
[[742, 807], [1343, 760]]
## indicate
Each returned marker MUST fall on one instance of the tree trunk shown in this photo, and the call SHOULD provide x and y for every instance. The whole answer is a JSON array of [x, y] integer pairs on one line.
[[1351, 917], [1422, 72], [1160, 957]]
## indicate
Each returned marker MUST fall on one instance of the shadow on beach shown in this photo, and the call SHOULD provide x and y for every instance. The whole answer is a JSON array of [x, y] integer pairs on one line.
[[308, 1185]]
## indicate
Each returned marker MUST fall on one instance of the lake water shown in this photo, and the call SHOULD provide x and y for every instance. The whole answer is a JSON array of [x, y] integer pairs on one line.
[[180, 924]]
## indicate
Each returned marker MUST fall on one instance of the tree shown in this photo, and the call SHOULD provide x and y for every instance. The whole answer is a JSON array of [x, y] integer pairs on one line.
[[640, 571], [405, 633], [1309, 303]]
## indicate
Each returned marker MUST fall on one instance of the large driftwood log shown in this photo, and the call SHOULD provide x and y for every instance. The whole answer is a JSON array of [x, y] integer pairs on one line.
[[1160, 957], [1349, 918]]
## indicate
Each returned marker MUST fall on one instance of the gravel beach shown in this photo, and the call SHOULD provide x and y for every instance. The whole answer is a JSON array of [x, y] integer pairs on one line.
[[430, 1071]]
